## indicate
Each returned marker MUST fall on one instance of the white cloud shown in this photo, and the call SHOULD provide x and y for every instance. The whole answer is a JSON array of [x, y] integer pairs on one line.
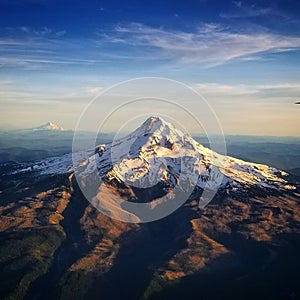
[[39, 61], [10, 42], [221, 90], [94, 90], [283, 93], [209, 45], [246, 10]]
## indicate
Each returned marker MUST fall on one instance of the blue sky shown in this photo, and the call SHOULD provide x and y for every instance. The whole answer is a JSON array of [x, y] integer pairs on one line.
[[242, 56]]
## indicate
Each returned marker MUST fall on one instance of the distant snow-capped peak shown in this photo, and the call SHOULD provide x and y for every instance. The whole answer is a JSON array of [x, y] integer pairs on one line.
[[48, 126]]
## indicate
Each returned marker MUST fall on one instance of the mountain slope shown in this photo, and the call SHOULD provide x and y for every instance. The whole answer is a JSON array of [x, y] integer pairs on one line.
[[249, 230]]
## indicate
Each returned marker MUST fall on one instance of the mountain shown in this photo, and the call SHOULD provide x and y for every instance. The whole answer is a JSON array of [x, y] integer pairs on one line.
[[242, 243], [48, 126], [35, 143], [157, 158]]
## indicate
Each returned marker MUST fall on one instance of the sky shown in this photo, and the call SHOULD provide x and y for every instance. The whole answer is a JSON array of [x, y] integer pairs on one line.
[[243, 57]]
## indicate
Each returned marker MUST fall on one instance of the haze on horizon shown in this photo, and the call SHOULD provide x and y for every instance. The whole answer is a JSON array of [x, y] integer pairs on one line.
[[242, 56]]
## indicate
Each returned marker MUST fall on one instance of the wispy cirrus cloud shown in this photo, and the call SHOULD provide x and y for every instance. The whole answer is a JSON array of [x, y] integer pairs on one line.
[[39, 62], [30, 32], [45, 31], [208, 45], [40, 48], [242, 9], [32, 48], [285, 92]]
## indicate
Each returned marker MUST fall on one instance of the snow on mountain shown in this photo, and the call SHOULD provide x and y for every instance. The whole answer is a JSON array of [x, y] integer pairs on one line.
[[55, 165], [155, 152], [156, 149], [48, 126]]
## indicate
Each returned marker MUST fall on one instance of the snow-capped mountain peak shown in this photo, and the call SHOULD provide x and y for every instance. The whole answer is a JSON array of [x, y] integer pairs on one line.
[[152, 124], [48, 126], [156, 150], [154, 132]]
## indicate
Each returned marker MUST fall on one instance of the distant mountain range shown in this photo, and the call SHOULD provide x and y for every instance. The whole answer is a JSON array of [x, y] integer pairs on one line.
[[54, 244]]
